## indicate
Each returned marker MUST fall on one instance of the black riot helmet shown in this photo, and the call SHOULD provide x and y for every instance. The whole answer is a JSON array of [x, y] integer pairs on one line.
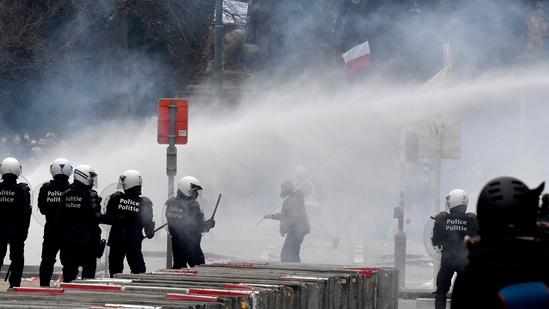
[[507, 208]]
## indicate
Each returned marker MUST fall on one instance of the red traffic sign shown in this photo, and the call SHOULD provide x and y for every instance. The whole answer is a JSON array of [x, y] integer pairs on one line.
[[181, 115]]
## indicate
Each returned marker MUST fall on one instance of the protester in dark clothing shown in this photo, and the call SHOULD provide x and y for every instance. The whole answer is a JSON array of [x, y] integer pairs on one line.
[[294, 223], [78, 219], [129, 214], [49, 199], [186, 224], [506, 251], [15, 205], [449, 230]]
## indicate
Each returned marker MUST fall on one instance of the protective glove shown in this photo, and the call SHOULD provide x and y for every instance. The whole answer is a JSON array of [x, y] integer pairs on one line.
[[100, 248], [149, 230], [209, 224]]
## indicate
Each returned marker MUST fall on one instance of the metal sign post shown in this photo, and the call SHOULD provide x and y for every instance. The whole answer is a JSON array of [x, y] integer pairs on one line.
[[172, 129], [437, 138]]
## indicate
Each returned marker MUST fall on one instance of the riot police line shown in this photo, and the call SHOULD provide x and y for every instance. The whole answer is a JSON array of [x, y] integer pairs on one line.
[[73, 214]]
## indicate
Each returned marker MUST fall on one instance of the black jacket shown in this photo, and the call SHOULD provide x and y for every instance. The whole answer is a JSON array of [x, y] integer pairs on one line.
[[129, 214], [450, 228], [292, 215], [15, 208], [184, 216], [496, 265], [79, 216], [49, 196]]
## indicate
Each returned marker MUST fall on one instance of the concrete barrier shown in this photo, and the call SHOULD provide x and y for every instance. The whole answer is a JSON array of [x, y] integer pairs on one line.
[[227, 285]]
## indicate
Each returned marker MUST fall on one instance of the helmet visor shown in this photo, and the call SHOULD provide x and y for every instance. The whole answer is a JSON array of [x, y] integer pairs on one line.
[[93, 180], [120, 186]]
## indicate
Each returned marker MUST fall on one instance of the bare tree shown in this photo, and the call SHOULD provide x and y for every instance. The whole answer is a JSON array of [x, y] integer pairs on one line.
[[85, 55]]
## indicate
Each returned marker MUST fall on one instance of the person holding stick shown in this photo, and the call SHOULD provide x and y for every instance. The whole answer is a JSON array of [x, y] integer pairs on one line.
[[129, 214], [294, 223], [186, 224]]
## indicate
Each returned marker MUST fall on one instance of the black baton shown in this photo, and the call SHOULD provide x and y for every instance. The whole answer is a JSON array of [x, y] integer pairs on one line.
[[7, 273], [158, 229], [215, 209]]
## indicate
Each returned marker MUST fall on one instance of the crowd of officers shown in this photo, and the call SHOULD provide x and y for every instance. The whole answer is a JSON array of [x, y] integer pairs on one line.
[[73, 215], [500, 255]]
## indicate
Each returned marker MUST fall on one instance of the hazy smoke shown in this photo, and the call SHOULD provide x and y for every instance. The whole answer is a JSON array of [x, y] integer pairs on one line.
[[346, 133], [350, 139]]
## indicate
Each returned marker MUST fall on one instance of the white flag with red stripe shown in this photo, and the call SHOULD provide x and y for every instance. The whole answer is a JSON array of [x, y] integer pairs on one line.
[[357, 57]]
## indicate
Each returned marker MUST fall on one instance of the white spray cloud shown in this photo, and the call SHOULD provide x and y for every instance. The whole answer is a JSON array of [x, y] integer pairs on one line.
[[348, 133], [351, 137]]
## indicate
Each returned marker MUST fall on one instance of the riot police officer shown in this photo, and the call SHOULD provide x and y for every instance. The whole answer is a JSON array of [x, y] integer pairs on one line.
[[186, 224], [49, 199], [78, 218], [129, 214], [15, 206], [449, 231]]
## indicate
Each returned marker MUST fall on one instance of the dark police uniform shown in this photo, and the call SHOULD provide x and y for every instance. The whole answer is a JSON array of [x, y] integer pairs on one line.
[[16, 210], [186, 225], [79, 217], [49, 199], [449, 231], [129, 214]]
